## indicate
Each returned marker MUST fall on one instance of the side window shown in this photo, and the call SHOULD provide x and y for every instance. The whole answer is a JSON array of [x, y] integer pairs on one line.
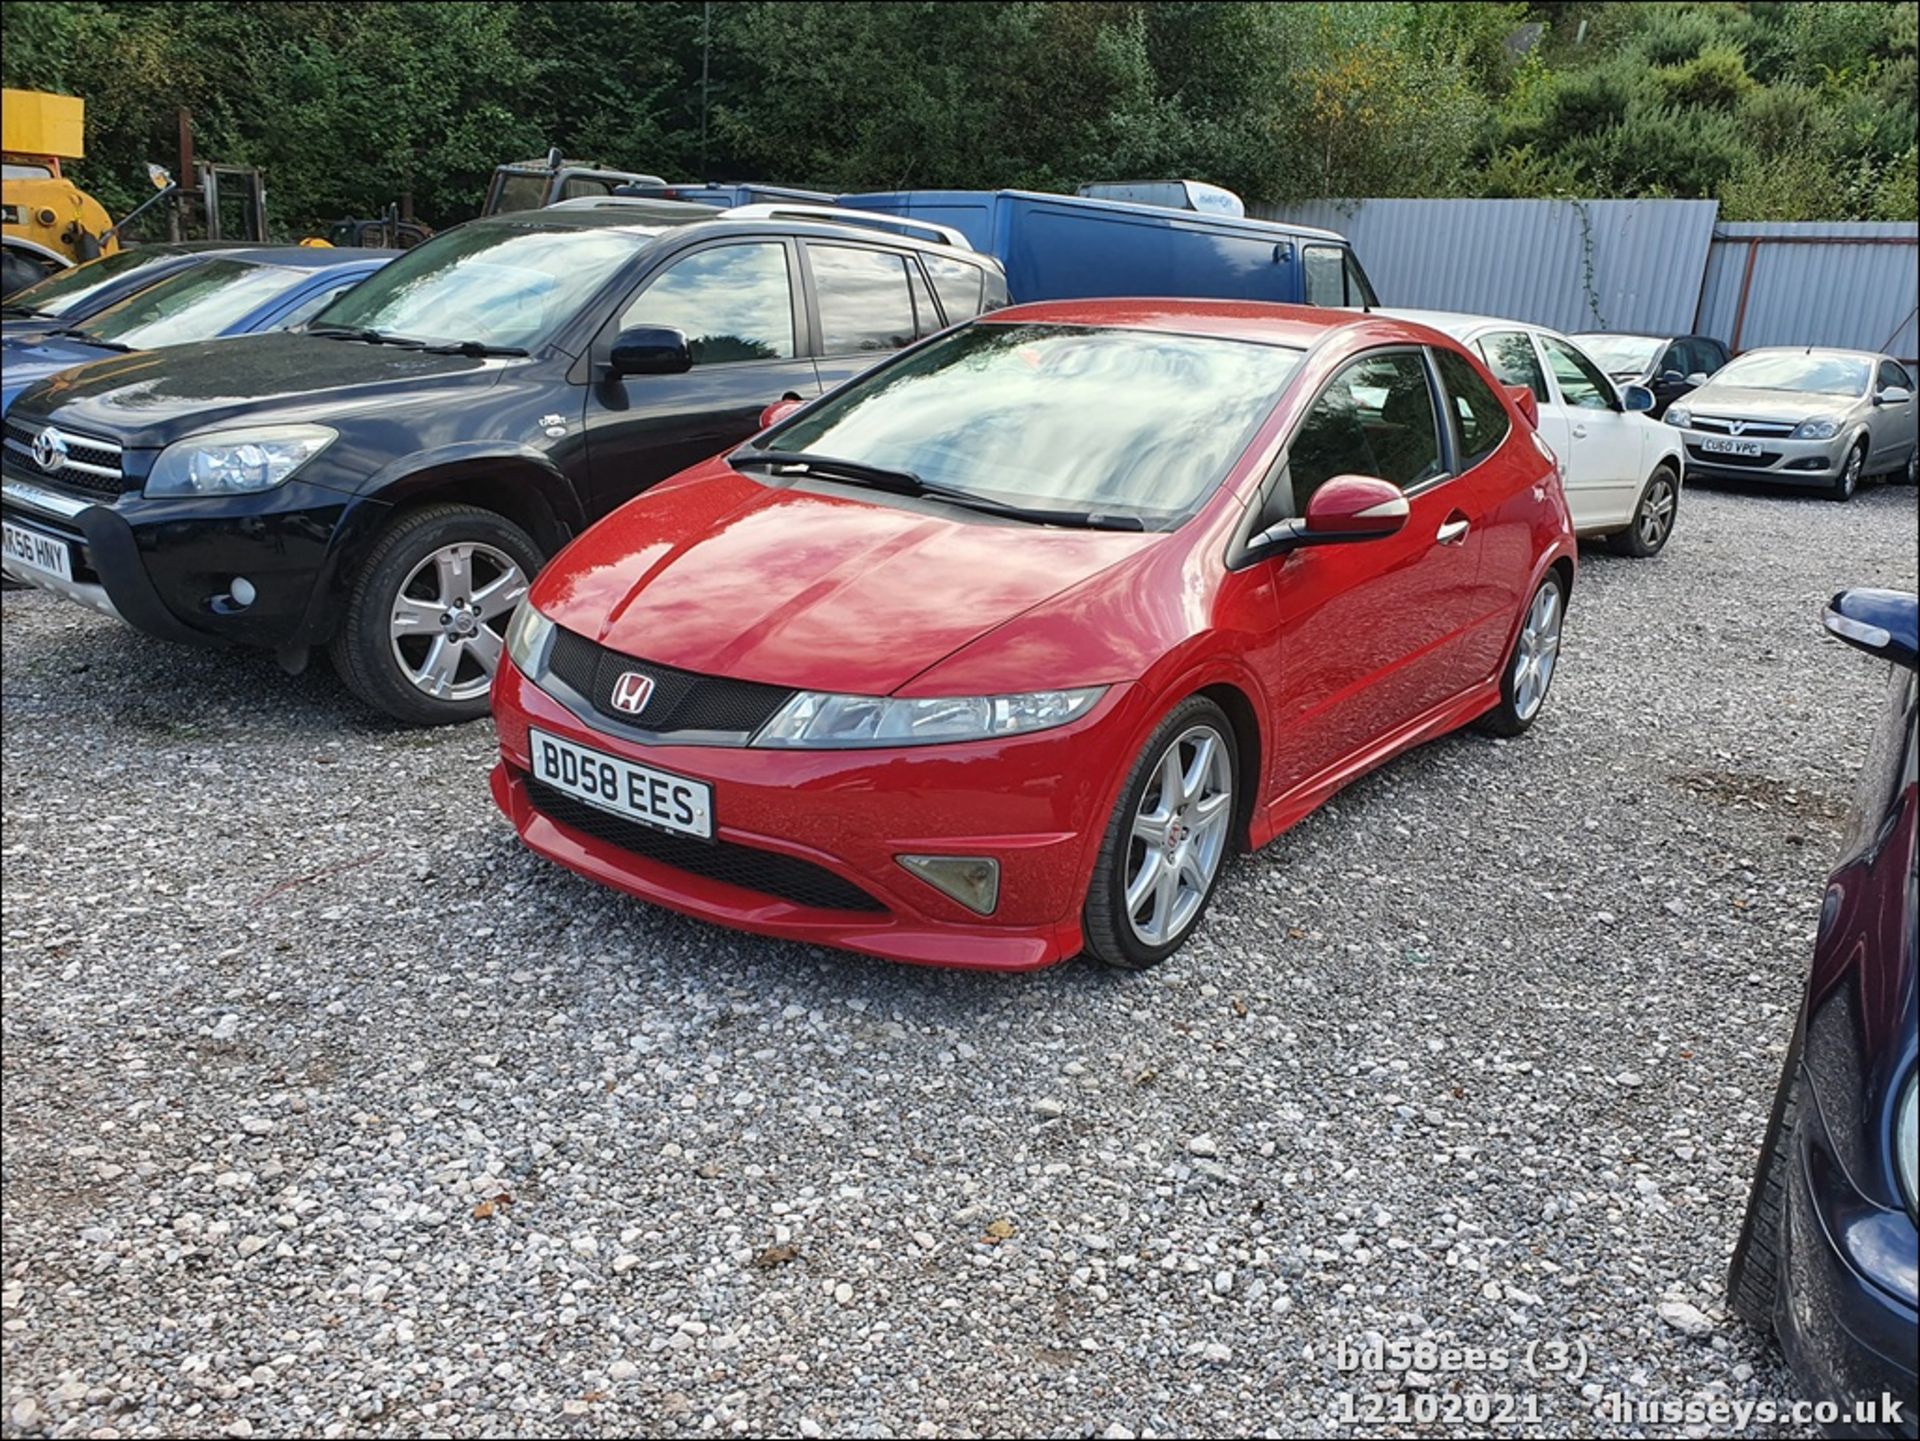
[[926, 315], [1359, 289], [734, 302], [1677, 358], [1710, 354], [1479, 419], [864, 302], [310, 307], [1374, 418], [1580, 381], [959, 285], [1510, 356], [1893, 373], [575, 187], [1326, 274]]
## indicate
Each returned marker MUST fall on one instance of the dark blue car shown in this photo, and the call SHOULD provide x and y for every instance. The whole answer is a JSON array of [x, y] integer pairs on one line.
[[1828, 1255], [234, 292]]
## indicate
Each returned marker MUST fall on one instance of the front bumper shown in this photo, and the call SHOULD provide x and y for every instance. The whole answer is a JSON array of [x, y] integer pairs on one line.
[[1843, 1310], [1038, 804], [1780, 462], [167, 567]]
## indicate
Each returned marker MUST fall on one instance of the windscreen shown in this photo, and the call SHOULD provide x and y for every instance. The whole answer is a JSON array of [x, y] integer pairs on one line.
[[69, 290], [1807, 372], [1119, 422], [196, 304], [506, 285], [1620, 354]]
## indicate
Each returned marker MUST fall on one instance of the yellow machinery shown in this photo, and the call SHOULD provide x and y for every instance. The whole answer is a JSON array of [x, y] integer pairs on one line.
[[49, 222]]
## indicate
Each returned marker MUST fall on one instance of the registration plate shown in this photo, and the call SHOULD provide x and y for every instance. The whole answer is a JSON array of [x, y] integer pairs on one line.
[[638, 793], [1715, 446], [33, 551]]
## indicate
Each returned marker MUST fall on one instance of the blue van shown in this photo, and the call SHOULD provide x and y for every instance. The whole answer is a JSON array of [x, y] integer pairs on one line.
[[1072, 247]]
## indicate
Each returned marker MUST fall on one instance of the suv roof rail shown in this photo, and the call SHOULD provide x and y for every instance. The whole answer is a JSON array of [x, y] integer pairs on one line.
[[843, 215]]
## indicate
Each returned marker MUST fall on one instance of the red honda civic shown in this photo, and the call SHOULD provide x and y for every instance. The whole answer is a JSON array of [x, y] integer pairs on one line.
[[992, 655]]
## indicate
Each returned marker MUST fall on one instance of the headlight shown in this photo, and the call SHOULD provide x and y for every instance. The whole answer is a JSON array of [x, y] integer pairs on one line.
[[1906, 1143], [1815, 430], [1679, 415], [527, 636], [236, 462], [841, 722]]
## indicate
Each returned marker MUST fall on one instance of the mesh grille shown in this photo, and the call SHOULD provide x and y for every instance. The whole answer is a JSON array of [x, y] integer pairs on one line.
[[92, 466], [784, 877], [681, 701]]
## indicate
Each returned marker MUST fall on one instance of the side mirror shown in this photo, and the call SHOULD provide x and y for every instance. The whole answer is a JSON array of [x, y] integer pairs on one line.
[[1636, 397], [1528, 402], [1344, 509], [1672, 377], [1697, 379], [780, 410], [651, 350], [1885, 623], [159, 175], [1893, 395]]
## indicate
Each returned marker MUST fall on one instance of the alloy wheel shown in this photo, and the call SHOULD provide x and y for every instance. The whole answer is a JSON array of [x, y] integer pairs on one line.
[[449, 620], [1850, 477], [1179, 835], [1656, 512], [1537, 652]]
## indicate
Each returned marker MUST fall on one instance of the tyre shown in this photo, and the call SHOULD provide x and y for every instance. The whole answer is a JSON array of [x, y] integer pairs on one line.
[[1848, 481], [1646, 535], [1753, 1276], [1913, 467], [1168, 840], [427, 617], [1530, 666]]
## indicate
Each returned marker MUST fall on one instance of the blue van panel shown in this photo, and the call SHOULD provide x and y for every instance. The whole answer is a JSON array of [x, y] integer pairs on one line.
[[1069, 247]]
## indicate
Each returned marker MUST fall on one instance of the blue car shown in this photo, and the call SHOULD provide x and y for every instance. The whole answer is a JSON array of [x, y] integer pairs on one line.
[[1827, 1258], [235, 292], [70, 296]]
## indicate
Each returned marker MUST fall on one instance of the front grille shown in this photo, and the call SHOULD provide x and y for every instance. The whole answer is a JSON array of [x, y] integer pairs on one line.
[[1743, 462], [92, 466], [786, 878], [683, 702], [1749, 429]]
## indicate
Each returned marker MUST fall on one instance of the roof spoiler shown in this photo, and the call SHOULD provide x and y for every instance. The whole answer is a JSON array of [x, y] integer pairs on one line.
[[841, 215]]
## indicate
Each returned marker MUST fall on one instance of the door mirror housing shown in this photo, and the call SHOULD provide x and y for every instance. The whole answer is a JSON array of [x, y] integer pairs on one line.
[[1892, 395], [1344, 509], [780, 410], [1528, 402], [1697, 379], [1885, 623], [650, 350], [1636, 397], [1671, 377]]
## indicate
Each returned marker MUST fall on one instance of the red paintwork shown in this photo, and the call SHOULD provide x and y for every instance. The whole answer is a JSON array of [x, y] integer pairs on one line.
[[778, 412], [1344, 655], [1341, 506], [1528, 402]]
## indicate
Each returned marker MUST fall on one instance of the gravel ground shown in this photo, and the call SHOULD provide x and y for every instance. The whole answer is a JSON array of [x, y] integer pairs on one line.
[[328, 1109]]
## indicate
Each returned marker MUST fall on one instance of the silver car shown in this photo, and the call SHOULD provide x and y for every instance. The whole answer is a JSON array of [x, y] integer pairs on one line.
[[1817, 418]]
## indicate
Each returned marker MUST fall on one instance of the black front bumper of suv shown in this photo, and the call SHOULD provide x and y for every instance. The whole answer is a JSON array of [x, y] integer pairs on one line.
[[168, 567]]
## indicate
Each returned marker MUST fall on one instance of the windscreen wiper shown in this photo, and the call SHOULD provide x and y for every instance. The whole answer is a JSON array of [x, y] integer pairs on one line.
[[18, 311], [905, 482], [363, 335], [72, 332], [475, 348]]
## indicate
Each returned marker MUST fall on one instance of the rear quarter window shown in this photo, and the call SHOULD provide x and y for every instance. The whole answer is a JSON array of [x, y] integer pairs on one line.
[[960, 286], [1479, 419]]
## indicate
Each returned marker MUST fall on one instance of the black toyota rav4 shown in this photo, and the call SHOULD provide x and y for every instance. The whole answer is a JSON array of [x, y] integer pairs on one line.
[[386, 483]]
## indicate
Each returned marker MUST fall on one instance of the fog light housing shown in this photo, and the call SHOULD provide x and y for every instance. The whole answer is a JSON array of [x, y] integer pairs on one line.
[[974, 881]]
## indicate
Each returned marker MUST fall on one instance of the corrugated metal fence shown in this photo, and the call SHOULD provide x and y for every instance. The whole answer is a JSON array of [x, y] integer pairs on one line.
[[1662, 266]]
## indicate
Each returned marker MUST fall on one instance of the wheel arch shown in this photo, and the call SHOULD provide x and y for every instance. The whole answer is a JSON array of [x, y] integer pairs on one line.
[[522, 485]]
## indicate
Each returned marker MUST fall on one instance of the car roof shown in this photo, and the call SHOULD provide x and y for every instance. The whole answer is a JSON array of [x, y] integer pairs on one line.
[[1814, 350], [307, 257], [1458, 323], [1261, 321], [646, 218], [641, 216]]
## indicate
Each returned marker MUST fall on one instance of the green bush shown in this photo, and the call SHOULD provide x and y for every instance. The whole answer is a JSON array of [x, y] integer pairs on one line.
[[1715, 79]]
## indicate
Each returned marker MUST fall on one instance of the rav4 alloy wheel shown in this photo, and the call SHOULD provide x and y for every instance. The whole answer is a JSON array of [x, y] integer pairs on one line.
[[426, 623], [1167, 840]]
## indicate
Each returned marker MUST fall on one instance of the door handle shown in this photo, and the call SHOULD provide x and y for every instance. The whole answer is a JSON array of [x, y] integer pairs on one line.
[[1453, 532], [1579, 432]]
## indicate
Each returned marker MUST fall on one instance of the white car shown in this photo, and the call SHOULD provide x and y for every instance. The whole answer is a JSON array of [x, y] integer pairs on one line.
[[1621, 468]]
